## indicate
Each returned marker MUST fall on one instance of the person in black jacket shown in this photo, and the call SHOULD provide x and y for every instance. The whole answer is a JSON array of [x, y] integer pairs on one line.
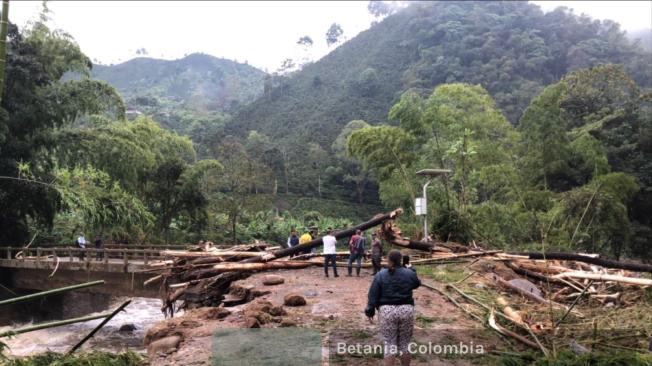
[[391, 294]]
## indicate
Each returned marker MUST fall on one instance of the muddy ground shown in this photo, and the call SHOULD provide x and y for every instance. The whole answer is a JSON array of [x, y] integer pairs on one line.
[[334, 308]]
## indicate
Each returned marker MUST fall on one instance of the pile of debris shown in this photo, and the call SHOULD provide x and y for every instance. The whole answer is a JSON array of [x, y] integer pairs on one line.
[[545, 303], [203, 275], [541, 296]]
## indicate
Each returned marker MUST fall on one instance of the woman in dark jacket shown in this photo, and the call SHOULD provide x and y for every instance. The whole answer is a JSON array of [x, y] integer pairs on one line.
[[391, 294]]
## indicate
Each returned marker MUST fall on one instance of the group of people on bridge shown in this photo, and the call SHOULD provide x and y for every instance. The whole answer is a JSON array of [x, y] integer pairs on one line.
[[81, 242]]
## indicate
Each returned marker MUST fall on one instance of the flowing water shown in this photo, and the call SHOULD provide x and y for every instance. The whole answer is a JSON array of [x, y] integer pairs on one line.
[[142, 313]]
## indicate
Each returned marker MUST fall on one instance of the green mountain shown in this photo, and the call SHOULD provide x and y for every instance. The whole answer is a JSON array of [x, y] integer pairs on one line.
[[512, 48], [197, 84]]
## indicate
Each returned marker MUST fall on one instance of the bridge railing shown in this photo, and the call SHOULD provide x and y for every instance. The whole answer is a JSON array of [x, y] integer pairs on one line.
[[115, 246], [42, 254]]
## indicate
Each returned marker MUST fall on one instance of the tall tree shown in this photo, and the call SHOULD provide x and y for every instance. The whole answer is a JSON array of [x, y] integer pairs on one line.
[[334, 34], [232, 188], [4, 26], [346, 166]]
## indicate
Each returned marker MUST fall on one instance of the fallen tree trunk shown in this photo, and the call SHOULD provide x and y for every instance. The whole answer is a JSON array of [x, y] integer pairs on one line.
[[535, 275], [313, 255], [240, 266], [377, 220], [608, 263], [453, 257], [527, 294], [606, 277], [184, 254]]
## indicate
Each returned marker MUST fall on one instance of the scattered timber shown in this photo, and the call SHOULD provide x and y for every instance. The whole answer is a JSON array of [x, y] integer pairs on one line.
[[99, 326], [605, 277], [59, 323], [608, 263], [50, 292]]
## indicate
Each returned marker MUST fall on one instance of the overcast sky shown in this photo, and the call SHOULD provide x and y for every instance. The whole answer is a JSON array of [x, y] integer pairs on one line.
[[261, 33]]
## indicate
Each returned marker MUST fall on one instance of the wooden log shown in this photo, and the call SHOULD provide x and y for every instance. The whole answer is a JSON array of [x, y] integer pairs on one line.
[[51, 292], [99, 326], [313, 255], [538, 276], [608, 263], [184, 254], [54, 324], [240, 266], [605, 277], [527, 294], [377, 220], [453, 301], [509, 333], [453, 257]]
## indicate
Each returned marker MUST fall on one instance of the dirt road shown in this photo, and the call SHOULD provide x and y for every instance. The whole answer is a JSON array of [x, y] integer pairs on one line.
[[334, 308]]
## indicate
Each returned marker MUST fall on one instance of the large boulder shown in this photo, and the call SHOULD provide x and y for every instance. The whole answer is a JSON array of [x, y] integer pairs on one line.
[[285, 323], [277, 310], [252, 323], [164, 346], [293, 299], [271, 280], [127, 327]]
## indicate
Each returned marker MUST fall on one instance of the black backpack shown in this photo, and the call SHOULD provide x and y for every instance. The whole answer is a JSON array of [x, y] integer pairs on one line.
[[360, 245]]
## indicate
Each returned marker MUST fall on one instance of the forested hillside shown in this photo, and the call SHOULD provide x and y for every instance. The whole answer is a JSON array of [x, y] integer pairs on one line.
[[510, 48], [178, 92]]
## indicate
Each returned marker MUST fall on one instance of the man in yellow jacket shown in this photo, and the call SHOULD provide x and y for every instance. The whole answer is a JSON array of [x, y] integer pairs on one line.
[[305, 238]]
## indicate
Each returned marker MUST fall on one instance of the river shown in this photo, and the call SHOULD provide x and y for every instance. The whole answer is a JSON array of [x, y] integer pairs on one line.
[[142, 312]]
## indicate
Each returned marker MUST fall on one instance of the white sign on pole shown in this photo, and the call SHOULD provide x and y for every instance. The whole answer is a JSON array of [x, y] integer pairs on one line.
[[420, 206]]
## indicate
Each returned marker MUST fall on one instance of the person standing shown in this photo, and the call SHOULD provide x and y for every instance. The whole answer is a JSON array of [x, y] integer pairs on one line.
[[99, 246], [391, 294], [356, 249], [305, 238], [293, 240], [330, 251], [406, 263], [376, 252], [81, 243]]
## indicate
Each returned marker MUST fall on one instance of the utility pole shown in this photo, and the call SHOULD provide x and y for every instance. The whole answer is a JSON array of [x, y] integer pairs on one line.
[[421, 203]]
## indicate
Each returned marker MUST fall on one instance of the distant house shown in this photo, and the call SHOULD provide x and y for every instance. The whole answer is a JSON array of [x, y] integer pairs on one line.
[[132, 113]]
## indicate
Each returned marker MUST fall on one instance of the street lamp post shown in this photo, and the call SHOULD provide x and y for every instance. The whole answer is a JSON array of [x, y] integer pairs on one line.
[[421, 204]]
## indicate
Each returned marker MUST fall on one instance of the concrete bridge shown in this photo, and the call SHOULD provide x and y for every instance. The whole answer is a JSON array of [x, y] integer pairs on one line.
[[124, 270]]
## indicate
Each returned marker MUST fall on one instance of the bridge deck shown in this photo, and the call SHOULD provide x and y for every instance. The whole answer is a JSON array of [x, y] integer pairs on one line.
[[124, 270]]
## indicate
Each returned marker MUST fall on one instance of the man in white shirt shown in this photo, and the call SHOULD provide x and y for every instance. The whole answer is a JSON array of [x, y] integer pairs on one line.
[[330, 251], [81, 243]]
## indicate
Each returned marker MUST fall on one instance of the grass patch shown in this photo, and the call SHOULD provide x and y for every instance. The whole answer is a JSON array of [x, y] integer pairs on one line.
[[83, 359], [568, 358], [424, 321], [442, 272], [361, 334]]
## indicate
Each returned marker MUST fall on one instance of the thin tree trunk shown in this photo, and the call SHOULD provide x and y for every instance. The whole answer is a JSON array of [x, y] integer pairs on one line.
[[4, 25], [233, 228]]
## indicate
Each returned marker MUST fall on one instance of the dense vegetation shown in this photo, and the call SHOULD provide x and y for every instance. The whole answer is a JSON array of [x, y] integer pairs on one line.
[[512, 49], [575, 174], [92, 358]]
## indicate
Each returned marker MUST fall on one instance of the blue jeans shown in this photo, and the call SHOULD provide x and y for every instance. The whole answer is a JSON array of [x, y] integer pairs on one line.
[[330, 258], [357, 257]]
